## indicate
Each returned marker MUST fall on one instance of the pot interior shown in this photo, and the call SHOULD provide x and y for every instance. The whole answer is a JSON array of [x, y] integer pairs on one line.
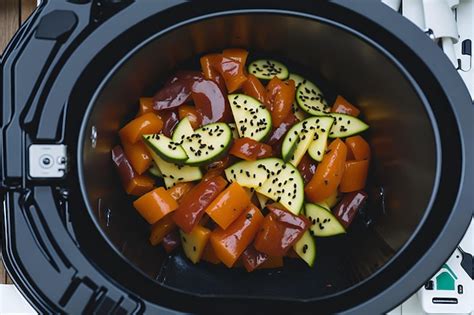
[[341, 62]]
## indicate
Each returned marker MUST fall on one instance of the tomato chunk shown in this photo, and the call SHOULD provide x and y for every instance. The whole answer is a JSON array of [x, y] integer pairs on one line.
[[249, 149], [194, 203]]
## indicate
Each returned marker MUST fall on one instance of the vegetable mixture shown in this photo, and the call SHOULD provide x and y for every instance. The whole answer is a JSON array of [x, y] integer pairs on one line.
[[255, 163]]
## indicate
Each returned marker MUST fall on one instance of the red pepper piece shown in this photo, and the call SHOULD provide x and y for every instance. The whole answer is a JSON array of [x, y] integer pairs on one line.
[[176, 91], [171, 241], [249, 149], [349, 206]]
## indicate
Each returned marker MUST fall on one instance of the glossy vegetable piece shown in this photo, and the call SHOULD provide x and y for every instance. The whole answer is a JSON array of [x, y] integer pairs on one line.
[[236, 54], [254, 88], [171, 241], [179, 190], [145, 124], [209, 255], [192, 114], [231, 70], [194, 203], [252, 258], [355, 176], [160, 229], [358, 148], [272, 263], [195, 242], [229, 244], [145, 105], [209, 72], [155, 205], [307, 168], [211, 102], [278, 133], [328, 174], [280, 231], [250, 150], [170, 119], [217, 168], [349, 206], [280, 96], [138, 156], [227, 207], [133, 183], [341, 105], [176, 91]]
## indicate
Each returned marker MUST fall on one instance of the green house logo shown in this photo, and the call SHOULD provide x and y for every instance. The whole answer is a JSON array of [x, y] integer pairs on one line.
[[446, 279]]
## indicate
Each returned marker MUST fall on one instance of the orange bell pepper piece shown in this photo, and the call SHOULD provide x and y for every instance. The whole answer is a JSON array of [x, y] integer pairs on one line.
[[160, 229], [145, 105], [138, 156], [227, 207], [254, 88], [145, 124], [139, 185], [272, 262], [193, 115], [209, 72], [229, 244], [209, 255], [328, 173], [236, 54], [355, 176], [279, 97], [358, 148], [195, 202], [341, 105], [231, 70], [155, 205], [249, 149], [179, 190]]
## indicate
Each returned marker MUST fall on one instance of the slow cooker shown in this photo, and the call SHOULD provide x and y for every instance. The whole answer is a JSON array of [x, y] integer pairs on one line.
[[71, 75]]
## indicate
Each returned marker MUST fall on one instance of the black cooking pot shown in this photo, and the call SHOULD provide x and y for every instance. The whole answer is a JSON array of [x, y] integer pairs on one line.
[[72, 76]]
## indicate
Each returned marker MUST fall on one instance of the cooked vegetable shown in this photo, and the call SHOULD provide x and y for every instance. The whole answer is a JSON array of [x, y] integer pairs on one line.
[[355, 176], [174, 173], [235, 133], [138, 156], [182, 130], [279, 97], [209, 72], [328, 173], [266, 69], [179, 190], [155, 204], [230, 243], [252, 119], [345, 126], [342, 106], [171, 241], [176, 91], [249, 173], [210, 102], [305, 247], [231, 70], [227, 207], [139, 185], [358, 148], [155, 171], [307, 168], [209, 255], [263, 200], [332, 200], [165, 148], [349, 206], [272, 263], [311, 99], [145, 105], [318, 146], [249, 149], [192, 114], [160, 229], [207, 144], [236, 54], [279, 232], [193, 205], [323, 222], [145, 124], [254, 88], [170, 119], [252, 258], [279, 132], [195, 242]]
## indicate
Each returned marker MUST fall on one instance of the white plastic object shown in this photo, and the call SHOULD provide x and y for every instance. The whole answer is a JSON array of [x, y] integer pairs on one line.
[[413, 10], [12, 302], [440, 19], [394, 4]]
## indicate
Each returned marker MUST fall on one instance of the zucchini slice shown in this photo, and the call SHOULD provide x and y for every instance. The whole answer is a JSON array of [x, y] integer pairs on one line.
[[306, 248], [182, 130], [300, 114], [252, 119], [235, 133], [346, 125], [251, 174], [297, 78], [266, 69], [320, 138], [263, 200], [174, 173], [155, 171], [165, 148], [207, 144], [323, 222], [311, 99]]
